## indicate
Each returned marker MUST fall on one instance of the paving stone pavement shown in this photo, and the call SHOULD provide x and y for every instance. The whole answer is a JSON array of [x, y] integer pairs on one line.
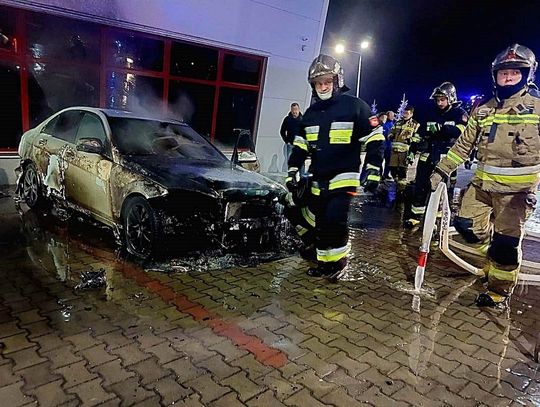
[[253, 336]]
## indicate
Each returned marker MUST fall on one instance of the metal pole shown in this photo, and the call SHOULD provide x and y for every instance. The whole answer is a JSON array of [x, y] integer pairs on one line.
[[358, 78]]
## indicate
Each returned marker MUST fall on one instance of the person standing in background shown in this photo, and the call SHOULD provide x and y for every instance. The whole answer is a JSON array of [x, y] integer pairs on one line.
[[387, 126], [289, 130]]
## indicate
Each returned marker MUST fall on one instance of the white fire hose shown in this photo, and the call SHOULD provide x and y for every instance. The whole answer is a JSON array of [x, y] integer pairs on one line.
[[438, 197]]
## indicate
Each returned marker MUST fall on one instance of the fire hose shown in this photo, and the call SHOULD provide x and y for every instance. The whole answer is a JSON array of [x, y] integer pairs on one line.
[[439, 198]]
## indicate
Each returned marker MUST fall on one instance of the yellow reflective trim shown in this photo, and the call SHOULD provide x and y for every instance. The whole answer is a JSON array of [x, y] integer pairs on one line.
[[372, 167], [344, 183], [301, 230], [373, 178], [418, 210], [400, 147], [315, 191], [508, 179], [510, 119], [424, 156], [288, 179], [375, 137], [312, 136], [484, 248], [454, 157], [301, 145], [308, 216], [340, 136], [330, 256], [503, 275], [461, 127], [527, 116]]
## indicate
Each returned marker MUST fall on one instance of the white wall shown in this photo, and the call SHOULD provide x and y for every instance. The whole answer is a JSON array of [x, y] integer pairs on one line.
[[287, 32]]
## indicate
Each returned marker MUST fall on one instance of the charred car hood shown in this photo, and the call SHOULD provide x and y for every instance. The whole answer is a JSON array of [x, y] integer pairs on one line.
[[209, 177]]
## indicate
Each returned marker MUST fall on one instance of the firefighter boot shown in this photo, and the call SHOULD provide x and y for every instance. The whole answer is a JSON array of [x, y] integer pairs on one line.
[[338, 270], [491, 299], [501, 283], [308, 252], [321, 270]]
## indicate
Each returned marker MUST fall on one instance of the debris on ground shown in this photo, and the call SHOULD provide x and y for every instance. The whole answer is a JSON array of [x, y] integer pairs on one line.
[[91, 279]]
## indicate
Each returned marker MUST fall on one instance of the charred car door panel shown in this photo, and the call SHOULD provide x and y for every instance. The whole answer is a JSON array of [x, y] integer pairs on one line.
[[88, 173], [53, 146]]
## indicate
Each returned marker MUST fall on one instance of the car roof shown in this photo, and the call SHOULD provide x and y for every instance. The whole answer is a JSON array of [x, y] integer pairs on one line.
[[125, 114]]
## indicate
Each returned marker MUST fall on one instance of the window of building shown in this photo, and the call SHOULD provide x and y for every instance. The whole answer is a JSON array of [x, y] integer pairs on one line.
[[129, 50], [8, 40], [53, 87], [241, 69], [237, 110], [192, 61], [10, 105], [58, 38], [136, 93], [192, 103], [72, 62]]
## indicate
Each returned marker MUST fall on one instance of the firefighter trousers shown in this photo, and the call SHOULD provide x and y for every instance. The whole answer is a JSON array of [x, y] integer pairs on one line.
[[324, 222], [495, 220]]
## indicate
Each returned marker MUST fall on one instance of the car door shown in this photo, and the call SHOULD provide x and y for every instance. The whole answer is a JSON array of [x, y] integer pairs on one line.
[[88, 174], [54, 143]]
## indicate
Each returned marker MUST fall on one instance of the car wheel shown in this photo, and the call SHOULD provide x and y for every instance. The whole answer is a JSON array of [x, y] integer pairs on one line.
[[31, 187], [141, 227]]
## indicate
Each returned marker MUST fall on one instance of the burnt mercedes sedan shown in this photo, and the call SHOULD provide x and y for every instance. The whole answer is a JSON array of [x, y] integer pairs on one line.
[[148, 179]]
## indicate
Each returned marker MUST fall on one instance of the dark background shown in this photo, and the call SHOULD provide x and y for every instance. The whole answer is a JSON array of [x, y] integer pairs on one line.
[[418, 44]]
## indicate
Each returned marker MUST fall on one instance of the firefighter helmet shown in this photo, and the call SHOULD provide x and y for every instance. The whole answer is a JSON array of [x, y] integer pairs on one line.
[[323, 65], [447, 90], [515, 56]]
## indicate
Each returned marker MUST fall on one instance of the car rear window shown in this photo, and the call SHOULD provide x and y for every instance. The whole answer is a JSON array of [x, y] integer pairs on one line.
[[152, 137]]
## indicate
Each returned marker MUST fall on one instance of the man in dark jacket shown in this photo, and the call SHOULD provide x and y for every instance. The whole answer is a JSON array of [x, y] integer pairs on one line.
[[289, 130], [331, 134]]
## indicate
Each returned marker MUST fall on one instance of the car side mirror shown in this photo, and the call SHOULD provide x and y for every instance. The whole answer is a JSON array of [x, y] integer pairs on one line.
[[90, 145]]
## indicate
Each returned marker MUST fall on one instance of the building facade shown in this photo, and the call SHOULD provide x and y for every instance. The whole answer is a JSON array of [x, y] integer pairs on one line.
[[216, 64]]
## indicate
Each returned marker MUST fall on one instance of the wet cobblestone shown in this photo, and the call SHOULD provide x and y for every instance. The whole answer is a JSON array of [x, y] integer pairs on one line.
[[265, 335]]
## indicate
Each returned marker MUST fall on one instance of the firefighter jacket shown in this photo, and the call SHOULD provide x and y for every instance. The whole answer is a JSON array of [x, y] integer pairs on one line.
[[507, 136], [403, 134], [439, 133], [373, 145], [330, 135]]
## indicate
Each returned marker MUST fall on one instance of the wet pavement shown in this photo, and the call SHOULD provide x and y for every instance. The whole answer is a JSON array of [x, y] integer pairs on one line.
[[252, 335]]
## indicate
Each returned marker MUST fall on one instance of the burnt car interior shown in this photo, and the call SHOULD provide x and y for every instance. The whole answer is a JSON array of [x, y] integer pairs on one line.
[[151, 137]]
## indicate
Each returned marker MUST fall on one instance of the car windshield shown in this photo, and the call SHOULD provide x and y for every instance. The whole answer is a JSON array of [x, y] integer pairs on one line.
[[153, 137]]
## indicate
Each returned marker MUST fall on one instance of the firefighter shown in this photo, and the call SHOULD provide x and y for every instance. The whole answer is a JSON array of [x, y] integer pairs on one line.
[[440, 132], [404, 132], [501, 194], [330, 135]]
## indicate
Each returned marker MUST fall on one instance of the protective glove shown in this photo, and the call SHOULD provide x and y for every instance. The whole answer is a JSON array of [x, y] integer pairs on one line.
[[290, 182], [433, 127], [372, 180], [436, 178], [410, 158], [287, 200]]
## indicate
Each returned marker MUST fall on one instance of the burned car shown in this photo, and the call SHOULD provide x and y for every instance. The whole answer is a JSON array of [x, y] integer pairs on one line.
[[146, 178]]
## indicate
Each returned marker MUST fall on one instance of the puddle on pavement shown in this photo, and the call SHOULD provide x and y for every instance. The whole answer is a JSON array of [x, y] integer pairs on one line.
[[422, 334]]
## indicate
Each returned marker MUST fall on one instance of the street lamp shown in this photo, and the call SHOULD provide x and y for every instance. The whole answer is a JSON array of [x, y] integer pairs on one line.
[[340, 49]]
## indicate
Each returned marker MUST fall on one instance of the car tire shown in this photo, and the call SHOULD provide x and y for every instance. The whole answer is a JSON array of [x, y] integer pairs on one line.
[[141, 227], [31, 189]]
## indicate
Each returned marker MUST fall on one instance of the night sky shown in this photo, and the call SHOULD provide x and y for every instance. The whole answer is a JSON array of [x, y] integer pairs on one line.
[[418, 44]]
